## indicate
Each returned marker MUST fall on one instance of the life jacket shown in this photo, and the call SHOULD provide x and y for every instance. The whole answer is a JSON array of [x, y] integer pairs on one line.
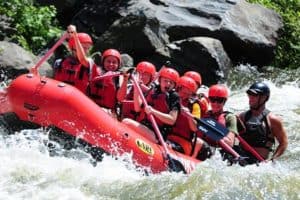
[[127, 109], [104, 91], [71, 71], [181, 127], [181, 133], [158, 101], [127, 105], [258, 132]]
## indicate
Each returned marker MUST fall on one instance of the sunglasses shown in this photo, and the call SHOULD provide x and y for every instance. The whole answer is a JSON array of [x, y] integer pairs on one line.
[[217, 100]]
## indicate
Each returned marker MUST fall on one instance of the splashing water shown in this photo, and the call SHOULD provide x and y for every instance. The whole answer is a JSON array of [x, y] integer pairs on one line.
[[27, 171]]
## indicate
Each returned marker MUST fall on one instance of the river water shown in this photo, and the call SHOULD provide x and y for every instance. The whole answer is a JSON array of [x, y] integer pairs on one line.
[[27, 171]]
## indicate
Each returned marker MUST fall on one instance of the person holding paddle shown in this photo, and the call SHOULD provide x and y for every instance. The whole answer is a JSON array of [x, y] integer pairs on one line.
[[163, 104], [103, 90], [218, 95], [146, 74], [76, 68], [262, 127], [182, 136]]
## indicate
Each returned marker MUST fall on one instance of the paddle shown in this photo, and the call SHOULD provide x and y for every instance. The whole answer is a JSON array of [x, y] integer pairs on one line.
[[108, 74], [166, 153], [112, 74], [250, 149], [34, 69], [210, 127], [215, 131]]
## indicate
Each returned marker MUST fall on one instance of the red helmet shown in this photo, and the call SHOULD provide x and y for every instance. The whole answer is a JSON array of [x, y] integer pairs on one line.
[[83, 38], [145, 66], [188, 82], [194, 75], [218, 90], [169, 73], [111, 52]]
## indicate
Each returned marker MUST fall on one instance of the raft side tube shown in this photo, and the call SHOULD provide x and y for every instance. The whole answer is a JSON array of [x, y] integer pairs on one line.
[[48, 102]]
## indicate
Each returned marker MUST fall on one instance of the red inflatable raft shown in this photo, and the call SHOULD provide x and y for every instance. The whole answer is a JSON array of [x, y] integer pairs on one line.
[[47, 102]]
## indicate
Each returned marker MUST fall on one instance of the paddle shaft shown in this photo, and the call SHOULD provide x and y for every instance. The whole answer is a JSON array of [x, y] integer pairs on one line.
[[250, 149], [49, 53], [152, 120], [107, 75]]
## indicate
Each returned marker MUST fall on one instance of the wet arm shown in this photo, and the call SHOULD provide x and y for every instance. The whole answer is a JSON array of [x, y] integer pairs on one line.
[[280, 135], [168, 118]]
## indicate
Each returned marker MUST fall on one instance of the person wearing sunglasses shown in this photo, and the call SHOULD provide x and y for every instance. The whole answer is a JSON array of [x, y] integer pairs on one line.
[[218, 95], [262, 127]]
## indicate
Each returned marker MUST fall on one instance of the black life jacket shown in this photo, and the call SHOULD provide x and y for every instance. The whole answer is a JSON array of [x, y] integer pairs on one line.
[[258, 132]]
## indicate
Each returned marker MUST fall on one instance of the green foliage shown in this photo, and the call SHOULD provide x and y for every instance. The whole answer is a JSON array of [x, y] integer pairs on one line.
[[288, 51], [35, 26]]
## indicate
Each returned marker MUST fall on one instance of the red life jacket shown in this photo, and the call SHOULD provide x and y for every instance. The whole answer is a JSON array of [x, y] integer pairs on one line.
[[127, 106], [181, 133], [127, 109], [158, 101], [181, 127], [71, 71], [104, 92]]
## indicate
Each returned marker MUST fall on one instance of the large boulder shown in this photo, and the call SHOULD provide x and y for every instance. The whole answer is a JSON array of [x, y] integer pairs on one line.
[[247, 32], [14, 61], [203, 54]]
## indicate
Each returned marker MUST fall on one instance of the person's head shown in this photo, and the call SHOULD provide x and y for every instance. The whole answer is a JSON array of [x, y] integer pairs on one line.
[[195, 76], [186, 87], [168, 78], [218, 95], [85, 41], [259, 94], [146, 71], [111, 59]]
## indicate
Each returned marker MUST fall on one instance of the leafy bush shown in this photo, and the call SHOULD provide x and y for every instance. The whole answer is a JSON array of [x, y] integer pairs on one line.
[[35, 26], [288, 51]]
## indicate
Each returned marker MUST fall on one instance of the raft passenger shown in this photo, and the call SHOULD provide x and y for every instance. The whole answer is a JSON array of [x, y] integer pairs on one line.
[[76, 69], [182, 136], [163, 104], [262, 126], [104, 90], [146, 73]]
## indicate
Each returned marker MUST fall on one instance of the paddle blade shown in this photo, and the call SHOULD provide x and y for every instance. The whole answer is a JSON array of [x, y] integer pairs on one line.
[[212, 129]]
